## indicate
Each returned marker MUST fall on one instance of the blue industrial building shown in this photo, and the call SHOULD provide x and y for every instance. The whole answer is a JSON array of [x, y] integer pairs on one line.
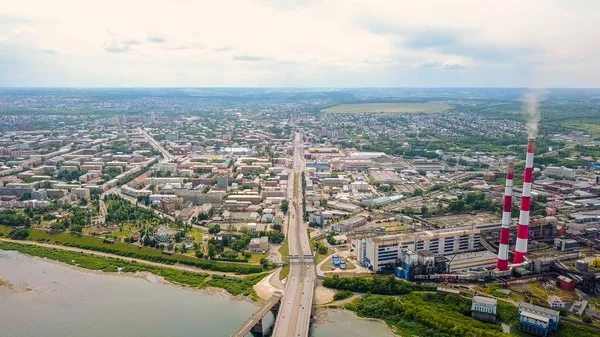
[[537, 320], [336, 261]]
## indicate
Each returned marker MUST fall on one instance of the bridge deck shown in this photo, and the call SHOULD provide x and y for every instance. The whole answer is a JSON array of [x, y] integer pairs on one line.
[[256, 317]]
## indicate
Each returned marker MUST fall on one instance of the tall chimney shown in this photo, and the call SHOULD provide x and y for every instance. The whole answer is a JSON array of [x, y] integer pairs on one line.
[[523, 229], [502, 264]]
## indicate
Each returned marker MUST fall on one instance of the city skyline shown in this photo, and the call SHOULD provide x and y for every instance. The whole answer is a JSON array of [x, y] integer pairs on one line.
[[299, 44]]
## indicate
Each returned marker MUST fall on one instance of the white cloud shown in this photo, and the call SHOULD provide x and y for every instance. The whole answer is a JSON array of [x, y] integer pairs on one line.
[[446, 65], [306, 42]]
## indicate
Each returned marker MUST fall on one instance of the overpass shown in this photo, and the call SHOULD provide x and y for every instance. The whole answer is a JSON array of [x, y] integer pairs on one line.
[[254, 323]]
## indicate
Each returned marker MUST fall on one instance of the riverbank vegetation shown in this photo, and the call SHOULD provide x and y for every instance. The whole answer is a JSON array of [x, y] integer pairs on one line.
[[381, 285], [342, 295], [425, 314], [234, 286], [143, 253], [432, 314]]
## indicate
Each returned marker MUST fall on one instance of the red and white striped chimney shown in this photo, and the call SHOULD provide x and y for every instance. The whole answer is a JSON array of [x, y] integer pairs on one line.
[[523, 229], [502, 264]]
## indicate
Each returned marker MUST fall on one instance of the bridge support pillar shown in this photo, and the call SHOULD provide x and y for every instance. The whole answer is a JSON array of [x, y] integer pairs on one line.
[[257, 329], [275, 308]]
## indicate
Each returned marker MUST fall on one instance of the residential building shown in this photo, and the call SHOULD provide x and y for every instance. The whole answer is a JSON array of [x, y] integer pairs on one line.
[[259, 245]]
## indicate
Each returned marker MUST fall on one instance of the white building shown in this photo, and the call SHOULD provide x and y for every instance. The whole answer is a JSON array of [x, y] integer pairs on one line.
[[484, 308], [378, 253], [259, 245], [555, 302], [563, 172]]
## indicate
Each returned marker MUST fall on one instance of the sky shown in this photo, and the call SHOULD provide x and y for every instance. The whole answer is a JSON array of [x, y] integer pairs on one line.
[[299, 43]]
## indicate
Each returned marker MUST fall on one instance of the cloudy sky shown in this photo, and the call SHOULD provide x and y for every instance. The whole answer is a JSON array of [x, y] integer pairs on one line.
[[304, 43]]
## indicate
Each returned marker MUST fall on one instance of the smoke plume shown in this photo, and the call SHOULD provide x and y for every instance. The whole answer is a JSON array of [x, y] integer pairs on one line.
[[533, 114]]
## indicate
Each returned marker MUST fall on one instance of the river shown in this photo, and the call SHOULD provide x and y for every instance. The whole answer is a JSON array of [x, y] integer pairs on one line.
[[42, 298]]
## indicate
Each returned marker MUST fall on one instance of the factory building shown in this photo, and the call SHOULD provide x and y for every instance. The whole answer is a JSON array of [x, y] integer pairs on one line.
[[379, 253], [484, 309], [537, 320]]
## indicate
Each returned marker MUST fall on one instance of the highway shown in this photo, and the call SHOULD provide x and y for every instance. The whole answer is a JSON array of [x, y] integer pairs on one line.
[[166, 155], [295, 310]]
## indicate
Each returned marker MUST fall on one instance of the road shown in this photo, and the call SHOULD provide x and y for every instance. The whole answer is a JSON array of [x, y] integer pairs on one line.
[[166, 155], [295, 310]]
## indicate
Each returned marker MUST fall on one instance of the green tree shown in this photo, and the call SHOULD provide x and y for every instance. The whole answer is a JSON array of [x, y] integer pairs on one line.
[[211, 251], [214, 229], [285, 206], [265, 263], [586, 319]]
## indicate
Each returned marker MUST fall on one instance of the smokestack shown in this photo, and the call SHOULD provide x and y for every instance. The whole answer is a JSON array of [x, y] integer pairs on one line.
[[523, 229], [502, 264]]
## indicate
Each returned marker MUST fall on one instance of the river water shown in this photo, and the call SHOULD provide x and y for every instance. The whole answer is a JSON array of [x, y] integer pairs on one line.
[[42, 298]]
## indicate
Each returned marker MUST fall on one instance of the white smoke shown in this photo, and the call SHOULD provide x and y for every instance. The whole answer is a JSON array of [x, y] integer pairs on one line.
[[531, 100]]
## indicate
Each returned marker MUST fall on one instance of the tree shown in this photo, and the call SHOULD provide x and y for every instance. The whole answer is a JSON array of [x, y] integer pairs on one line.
[[19, 234], [265, 263], [199, 254], [76, 229], [563, 312], [409, 211], [424, 210], [276, 237], [331, 239], [586, 319], [211, 251], [214, 229], [285, 206]]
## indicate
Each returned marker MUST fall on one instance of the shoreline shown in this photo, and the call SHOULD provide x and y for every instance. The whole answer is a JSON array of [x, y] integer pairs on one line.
[[145, 275], [322, 312]]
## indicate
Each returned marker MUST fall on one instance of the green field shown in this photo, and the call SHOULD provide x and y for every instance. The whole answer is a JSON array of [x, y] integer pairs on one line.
[[402, 108]]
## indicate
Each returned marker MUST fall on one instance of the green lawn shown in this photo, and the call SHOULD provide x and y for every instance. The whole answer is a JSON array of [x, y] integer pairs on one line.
[[5, 230], [255, 258], [196, 234], [285, 271]]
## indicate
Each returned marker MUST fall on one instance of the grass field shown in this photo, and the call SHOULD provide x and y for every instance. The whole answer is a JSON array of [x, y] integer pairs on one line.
[[590, 127], [403, 108]]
